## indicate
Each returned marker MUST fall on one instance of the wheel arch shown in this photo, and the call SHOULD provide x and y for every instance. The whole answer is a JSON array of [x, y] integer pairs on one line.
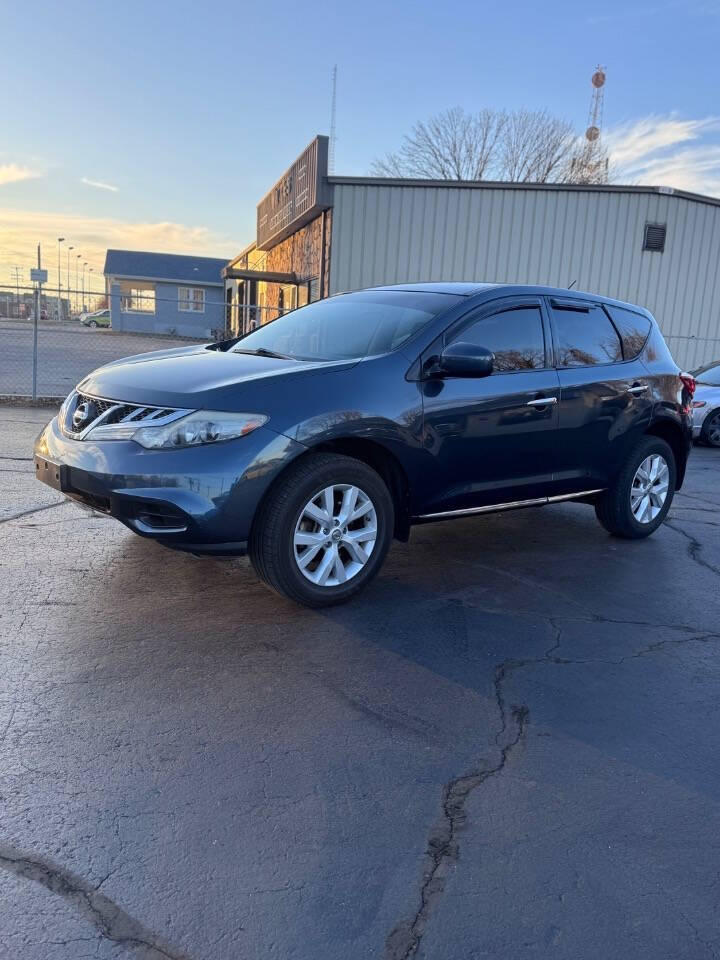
[[383, 461], [672, 434], [375, 455]]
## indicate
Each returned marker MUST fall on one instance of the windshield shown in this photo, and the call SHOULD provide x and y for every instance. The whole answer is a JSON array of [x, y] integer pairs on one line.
[[709, 374], [348, 327]]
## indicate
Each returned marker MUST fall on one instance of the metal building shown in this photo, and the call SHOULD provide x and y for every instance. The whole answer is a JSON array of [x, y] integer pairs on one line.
[[654, 246]]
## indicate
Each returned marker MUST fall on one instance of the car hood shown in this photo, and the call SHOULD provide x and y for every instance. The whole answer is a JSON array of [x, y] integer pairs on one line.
[[198, 377]]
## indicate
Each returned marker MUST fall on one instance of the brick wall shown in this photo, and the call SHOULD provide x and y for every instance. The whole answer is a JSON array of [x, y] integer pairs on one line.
[[300, 253]]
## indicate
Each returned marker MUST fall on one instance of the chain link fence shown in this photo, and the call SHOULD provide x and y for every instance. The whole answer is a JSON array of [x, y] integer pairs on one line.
[[77, 331]]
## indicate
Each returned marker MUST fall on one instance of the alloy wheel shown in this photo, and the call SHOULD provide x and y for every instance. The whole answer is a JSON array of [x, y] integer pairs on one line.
[[713, 431], [335, 535], [649, 489]]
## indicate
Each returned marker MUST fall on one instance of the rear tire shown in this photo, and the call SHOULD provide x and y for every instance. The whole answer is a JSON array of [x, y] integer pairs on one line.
[[320, 562], [710, 433], [615, 510], [92, 325]]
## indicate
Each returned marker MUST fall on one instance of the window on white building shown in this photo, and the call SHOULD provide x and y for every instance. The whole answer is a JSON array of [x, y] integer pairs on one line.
[[191, 300]]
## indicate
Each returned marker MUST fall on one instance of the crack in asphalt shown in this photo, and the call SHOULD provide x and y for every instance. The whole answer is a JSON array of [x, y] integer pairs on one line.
[[25, 513], [442, 849], [404, 940], [694, 548], [110, 920]]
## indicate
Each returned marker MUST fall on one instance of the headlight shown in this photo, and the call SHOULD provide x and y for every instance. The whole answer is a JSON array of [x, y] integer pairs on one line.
[[203, 426]]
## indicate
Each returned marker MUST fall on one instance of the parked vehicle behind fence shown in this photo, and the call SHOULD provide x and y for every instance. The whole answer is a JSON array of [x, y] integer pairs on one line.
[[100, 318], [314, 440]]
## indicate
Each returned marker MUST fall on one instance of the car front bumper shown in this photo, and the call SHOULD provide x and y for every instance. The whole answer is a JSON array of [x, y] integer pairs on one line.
[[201, 499]]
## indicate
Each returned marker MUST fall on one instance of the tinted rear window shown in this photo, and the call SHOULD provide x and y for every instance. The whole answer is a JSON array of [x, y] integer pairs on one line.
[[585, 336], [633, 327]]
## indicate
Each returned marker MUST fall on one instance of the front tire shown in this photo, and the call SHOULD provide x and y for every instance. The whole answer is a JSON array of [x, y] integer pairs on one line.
[[92, 325], [639, 499], [323, 531]]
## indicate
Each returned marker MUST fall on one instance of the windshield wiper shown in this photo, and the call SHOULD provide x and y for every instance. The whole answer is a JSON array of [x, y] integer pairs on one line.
[[264, 352]]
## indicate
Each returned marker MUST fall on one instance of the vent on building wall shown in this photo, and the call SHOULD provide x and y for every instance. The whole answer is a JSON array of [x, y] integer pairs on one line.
[[654, 238]]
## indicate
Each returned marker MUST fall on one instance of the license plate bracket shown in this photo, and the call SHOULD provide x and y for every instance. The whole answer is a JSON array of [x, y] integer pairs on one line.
[[51, 473]]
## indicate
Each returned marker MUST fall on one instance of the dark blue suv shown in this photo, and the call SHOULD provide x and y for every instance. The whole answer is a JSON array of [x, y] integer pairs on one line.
[[313, 441]]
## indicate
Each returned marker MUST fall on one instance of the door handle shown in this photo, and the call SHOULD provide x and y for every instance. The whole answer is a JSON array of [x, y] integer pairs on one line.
[[638, 388], [541, 402]]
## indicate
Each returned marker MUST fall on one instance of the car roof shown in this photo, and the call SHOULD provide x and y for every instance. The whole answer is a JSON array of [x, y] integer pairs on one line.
[[468, 289]]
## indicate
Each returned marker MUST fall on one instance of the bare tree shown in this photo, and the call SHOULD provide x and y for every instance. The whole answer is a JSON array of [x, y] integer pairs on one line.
[[452, 145], [536, 147], [524, 146]]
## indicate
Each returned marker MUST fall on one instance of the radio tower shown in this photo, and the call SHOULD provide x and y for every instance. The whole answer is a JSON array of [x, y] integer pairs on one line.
[[590, 164], [333, 106]]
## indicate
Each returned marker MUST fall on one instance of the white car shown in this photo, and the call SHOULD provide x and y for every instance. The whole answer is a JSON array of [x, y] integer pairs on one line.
[[706, 404]]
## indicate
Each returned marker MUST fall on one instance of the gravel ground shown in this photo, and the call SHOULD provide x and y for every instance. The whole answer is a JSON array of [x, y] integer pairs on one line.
[[506, 748]]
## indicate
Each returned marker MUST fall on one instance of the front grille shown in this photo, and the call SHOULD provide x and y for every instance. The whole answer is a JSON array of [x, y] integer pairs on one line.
[[95, 411]]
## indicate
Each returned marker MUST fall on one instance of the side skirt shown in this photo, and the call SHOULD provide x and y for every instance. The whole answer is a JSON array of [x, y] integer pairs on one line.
[[511, 505]]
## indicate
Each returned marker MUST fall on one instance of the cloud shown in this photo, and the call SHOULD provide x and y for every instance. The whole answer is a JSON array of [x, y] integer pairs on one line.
[[667, 151], [99, 184], [22, 230], [15, 172]]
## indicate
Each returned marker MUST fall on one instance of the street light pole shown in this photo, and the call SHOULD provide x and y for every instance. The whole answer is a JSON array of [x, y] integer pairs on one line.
[[84, 304], [18, 271], [68, 280], [59, 298], [77, 288]]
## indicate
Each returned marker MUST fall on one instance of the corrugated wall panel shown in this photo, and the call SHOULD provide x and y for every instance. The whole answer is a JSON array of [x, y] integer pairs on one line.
[[395, 234]]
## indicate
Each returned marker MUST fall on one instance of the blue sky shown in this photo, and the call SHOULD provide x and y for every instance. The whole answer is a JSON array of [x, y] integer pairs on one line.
[[190, 111]]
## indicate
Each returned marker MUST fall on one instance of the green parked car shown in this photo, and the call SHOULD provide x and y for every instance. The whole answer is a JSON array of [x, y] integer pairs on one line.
[[101, 318]]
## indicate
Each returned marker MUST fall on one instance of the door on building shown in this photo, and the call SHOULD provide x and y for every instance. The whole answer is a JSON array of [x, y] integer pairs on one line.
[[493, 438], [605, 396]]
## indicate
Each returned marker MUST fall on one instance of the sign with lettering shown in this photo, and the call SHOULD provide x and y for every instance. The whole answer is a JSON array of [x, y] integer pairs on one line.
[[298, 197], [37, 275]]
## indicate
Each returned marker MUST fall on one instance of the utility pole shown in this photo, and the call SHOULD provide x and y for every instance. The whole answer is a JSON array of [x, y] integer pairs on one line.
[[59, 297]]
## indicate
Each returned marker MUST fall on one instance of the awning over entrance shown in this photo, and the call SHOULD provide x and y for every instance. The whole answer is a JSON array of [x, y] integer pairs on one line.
[[269, 276]]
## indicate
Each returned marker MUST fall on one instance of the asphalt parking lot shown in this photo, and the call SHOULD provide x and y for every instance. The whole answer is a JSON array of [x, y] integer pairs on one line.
[[506, 748], [66, 351]]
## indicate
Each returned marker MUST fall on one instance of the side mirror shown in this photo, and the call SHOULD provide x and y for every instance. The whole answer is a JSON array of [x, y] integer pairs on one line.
[[462, 359]]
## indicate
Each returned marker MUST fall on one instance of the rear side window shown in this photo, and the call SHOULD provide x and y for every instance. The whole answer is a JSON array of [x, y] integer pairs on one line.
[[515, 336], [585, 336], [634, 330]]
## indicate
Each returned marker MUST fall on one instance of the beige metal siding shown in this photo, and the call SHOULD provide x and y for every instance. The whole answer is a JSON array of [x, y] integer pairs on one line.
[[397, 233]]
